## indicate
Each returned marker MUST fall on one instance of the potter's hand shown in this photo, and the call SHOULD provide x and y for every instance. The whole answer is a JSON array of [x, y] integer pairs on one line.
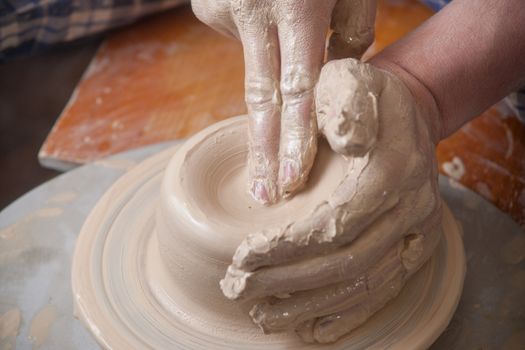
[[284, 45], [354, 253]]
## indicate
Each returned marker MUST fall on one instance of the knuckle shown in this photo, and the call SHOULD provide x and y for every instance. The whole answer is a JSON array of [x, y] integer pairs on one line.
[[297, 83], [201, 11], [261, 94]]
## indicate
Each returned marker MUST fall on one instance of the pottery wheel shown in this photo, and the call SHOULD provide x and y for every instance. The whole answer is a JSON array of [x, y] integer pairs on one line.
[[36, 254], [127, 308]]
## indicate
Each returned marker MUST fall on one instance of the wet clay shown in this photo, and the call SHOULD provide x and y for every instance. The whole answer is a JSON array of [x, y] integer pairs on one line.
[[148, 261]]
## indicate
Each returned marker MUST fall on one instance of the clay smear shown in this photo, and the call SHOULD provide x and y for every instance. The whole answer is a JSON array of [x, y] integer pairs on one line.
[[63, 197], [41, 325], [9, 327], [10, 231], [513, 251]]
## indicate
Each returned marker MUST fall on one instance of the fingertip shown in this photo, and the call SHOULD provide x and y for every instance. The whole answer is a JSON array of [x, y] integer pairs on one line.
[[289, 177], [263, 191], [259, 192], [262, 171], [250, 253], [324, 331], [305, 331], [234, 283], [296, 163]]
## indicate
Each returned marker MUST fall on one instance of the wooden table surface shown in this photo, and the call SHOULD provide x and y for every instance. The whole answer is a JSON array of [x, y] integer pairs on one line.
[[169, 76]]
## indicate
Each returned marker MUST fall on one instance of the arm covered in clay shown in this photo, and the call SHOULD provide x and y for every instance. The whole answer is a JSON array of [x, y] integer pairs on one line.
[[357, 249]]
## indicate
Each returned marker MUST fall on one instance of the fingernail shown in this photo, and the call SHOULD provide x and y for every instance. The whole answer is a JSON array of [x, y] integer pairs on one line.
[[261, 192], [289, 172], [289, 177], [324, 333]]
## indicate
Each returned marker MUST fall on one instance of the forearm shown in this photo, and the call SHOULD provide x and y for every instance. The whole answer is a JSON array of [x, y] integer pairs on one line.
[[468, 56]]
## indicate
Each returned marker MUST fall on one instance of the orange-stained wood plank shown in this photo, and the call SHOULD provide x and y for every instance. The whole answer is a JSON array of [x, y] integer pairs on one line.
[[169, 76], [487, 155], [164, 78]]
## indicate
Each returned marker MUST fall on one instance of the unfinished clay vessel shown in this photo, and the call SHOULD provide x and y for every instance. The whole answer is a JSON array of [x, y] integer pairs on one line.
[[150, 256], [205, 210]]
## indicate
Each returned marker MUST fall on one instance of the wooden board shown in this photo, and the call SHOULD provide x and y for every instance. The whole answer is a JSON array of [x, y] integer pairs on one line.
[[169, 76], [161, 79]]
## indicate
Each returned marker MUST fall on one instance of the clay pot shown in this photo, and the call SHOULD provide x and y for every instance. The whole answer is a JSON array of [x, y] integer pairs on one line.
[[205, 210], [149, 258]]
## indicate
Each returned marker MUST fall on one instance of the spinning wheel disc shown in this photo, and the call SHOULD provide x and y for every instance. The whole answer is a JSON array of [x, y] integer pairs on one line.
[[127, 299]]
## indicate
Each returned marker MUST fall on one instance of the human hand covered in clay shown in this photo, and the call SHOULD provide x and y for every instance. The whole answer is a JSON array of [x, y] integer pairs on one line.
[[284, 44], [347, 259]]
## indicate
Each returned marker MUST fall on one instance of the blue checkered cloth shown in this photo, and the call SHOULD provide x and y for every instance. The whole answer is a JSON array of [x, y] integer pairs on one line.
[[435, 5], [26, 26]]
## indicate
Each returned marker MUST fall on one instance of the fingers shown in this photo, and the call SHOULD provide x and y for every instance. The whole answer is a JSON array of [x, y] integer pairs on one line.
[[293, 242], [344, 263], [342, 307], [415, 251], [261, 58], [330, 328], [359, 200], [216, 14], [302, 35], [347, 104], [302, 306], [353, 28]]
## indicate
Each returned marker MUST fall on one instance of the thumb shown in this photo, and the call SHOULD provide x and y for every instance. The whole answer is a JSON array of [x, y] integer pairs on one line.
[[347, 105]]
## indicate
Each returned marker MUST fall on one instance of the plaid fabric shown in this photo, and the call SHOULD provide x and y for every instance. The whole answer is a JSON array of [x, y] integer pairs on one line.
[[435, 5], [29, 25]]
